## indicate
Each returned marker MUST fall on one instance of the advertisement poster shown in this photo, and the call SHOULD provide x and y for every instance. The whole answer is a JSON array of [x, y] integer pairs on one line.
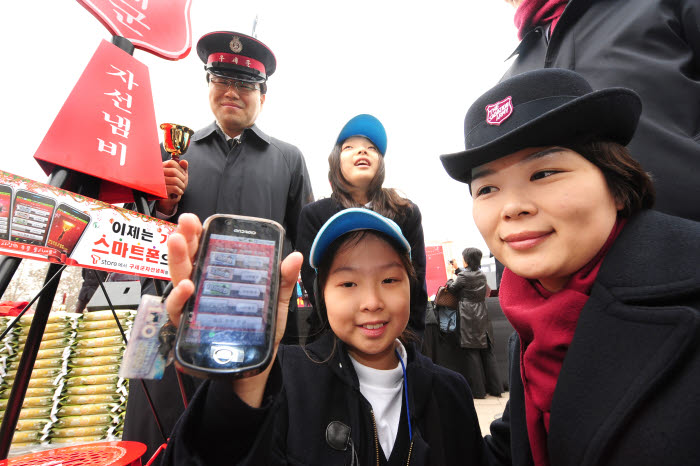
[[40, 222]]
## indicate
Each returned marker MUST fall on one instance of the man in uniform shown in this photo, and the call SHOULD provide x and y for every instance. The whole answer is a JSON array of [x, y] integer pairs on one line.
[[231, 167]]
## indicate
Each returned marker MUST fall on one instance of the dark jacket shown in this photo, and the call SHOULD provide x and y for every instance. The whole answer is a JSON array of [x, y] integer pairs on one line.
[[260, 177], [474, 326], [628, 391], [314, 215], [653, 47], [303, 397]]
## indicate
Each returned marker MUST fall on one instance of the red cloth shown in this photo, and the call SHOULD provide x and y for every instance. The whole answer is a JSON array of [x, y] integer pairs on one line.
[[532, 13], [12, 308], [546, 323]]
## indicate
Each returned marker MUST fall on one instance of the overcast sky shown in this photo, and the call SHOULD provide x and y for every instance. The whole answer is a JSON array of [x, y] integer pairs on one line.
[[417, 66]]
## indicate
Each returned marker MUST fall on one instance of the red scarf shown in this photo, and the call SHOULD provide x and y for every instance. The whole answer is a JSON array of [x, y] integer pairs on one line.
[[532, 13], [546, 322]]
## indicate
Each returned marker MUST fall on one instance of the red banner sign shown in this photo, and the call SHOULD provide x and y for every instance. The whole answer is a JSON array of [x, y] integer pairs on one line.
[[40, 222], [107, 128], [160, 27], [435, 271]]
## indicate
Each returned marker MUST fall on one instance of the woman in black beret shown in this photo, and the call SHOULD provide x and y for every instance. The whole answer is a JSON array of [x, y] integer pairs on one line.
[[604, 293]]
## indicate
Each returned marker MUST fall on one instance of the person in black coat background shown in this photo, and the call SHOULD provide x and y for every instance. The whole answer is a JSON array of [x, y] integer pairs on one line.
[[89, 286], [475, 329], [356, 174], [650, 46], [603, 292]]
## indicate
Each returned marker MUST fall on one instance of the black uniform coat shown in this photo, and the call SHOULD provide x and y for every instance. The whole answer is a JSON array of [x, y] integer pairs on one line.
[[314, 215], [260, 177], [302, 397], [652, 47], [628, 390]]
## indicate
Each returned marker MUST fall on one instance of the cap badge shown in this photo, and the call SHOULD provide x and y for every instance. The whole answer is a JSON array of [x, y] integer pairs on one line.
[[235, 45], [499, 112]]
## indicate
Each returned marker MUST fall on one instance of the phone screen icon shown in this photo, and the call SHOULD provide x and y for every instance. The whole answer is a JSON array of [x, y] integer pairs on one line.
[[31, 218], [67, 228], [5, 208]]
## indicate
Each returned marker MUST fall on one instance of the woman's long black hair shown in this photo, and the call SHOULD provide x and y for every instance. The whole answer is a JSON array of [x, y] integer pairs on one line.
[[384, 201]]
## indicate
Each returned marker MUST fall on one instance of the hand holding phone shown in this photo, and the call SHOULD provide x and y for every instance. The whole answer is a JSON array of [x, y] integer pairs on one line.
[[183, 246]]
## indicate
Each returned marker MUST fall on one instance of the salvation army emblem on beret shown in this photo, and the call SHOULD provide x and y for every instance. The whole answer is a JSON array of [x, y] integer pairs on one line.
[[498, 112]]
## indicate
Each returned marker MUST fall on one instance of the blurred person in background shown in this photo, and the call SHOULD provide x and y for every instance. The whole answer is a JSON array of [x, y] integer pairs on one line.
[[475, 329]]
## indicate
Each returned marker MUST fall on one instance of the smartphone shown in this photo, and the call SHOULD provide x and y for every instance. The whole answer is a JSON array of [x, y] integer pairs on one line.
[[67, 228], [5, 208], [228, 326], [31, 217]]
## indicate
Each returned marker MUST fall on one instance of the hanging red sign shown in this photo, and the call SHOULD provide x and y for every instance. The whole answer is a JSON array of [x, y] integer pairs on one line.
[[160, 27], [107, 128], [435, 271]]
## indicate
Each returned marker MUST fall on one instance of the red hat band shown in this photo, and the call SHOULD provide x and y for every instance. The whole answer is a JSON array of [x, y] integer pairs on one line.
[[234, 59]]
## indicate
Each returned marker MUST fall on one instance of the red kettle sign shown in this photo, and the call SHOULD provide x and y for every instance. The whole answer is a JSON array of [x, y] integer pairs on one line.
[[107, 128], [161, 27]]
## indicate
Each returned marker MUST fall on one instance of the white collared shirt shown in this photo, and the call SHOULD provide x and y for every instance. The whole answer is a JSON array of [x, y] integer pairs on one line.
[[384, 390]]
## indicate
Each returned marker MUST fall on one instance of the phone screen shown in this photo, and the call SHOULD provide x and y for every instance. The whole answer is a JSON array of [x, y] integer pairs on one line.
[[67, 228], [31, 217], [230, 324], [5, 208]]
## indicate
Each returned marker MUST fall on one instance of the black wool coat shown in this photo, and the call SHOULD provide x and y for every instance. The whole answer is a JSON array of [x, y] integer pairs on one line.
[[628, 390], [314, 215], [652, 47], [303, 397]]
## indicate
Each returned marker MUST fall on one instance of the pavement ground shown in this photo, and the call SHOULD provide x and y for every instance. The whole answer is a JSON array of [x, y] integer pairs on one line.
[[488, 409]]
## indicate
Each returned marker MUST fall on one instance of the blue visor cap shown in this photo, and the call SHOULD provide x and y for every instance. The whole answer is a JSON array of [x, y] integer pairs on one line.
[[354, 219], [366, 126]]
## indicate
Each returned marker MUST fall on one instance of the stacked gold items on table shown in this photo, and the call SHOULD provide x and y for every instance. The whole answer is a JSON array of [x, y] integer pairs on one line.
[[75, 394], [47, 378]]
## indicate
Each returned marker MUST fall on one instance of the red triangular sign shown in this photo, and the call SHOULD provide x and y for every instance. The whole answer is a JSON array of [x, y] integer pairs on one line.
[[107, 128]]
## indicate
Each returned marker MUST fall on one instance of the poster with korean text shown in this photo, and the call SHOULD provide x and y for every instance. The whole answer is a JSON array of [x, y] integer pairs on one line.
[[40, 222]]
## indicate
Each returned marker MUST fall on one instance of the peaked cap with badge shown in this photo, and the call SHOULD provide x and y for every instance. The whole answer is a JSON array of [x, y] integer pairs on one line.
[[235, 55], [545, 107]]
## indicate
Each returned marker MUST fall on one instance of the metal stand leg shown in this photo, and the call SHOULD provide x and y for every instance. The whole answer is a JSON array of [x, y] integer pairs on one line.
[[8, 267], [31, 303], [26, 363]]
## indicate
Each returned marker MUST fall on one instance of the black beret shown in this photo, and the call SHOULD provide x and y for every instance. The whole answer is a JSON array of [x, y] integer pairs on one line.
[[546, 107]]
